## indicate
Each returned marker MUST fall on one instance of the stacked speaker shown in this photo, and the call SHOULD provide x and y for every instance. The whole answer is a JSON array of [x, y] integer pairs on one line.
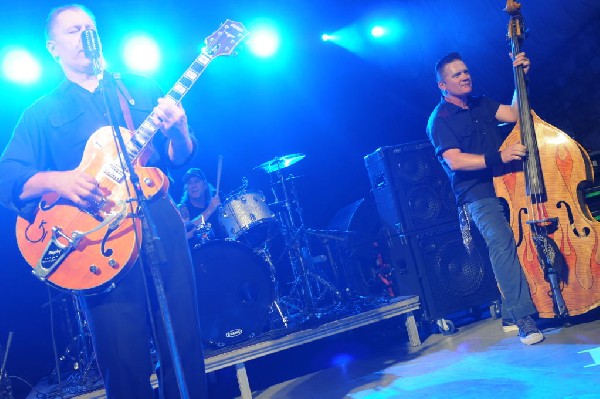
[[420, 225]]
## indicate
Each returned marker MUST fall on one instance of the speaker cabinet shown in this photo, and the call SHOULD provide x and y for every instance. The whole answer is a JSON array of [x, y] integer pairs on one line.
[[411, 189], [436, 266]]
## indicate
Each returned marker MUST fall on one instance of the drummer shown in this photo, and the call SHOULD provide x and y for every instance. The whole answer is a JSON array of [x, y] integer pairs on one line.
[[198, 206]]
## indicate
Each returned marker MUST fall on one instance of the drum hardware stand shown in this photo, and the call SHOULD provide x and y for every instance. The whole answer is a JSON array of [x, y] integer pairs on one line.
[[266, 255], [308, 287], [238, 191], [328, 237], [5, 387], [87, 356], [290, 234], [81, 354], [308, 283]]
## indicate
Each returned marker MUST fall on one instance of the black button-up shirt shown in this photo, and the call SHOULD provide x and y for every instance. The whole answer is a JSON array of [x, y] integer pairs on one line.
[[53, 132], [473, 130]]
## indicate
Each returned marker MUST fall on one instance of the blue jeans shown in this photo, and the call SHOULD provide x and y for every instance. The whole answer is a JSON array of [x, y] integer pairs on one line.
[[488, 215]]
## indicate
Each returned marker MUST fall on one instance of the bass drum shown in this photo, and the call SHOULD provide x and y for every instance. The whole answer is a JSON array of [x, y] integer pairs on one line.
[[235, 294]]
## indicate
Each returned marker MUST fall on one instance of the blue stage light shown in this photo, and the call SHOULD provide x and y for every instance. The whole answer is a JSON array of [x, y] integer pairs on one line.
[[141, 54], [263, 41], [378, 31], [20, 66]]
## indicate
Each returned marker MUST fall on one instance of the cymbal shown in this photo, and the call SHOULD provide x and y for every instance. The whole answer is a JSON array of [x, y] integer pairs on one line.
[[278, 163]]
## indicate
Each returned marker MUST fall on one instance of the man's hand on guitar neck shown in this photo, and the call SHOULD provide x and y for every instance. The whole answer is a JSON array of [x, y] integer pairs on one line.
[[171, 119], [74, 185]]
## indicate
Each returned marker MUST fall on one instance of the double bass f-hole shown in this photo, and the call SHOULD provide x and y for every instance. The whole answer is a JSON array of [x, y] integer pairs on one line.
[[584, 231]]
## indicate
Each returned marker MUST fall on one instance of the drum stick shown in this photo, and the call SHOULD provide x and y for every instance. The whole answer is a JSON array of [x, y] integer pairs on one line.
[[219, 169]]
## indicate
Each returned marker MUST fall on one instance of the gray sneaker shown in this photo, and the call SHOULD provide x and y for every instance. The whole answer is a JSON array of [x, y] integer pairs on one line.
[[529, 334], [509, 326]]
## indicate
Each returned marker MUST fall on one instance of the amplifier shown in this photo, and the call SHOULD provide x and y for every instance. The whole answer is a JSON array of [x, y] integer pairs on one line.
[[436, 266], [410, 187]]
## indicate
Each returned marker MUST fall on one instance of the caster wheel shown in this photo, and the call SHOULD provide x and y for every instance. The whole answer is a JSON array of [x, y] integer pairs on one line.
[[446, 327], [495, 311]]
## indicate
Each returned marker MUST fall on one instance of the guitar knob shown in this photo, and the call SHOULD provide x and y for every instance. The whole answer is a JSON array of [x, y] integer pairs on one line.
[[95, 269], [113, 263], [149, 182]]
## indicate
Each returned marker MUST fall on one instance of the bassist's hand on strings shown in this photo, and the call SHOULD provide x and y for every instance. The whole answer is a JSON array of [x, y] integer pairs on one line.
[[511, 114], [514, 152], [521, 59]]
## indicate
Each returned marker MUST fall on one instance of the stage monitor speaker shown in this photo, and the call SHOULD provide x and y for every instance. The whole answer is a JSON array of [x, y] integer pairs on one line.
[[411, 189], [436, 266]]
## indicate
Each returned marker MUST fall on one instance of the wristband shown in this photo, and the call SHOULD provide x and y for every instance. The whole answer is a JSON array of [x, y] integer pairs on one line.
[[492, 158]]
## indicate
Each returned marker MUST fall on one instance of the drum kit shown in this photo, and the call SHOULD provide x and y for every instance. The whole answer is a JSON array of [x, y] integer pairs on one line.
[[239, 285]]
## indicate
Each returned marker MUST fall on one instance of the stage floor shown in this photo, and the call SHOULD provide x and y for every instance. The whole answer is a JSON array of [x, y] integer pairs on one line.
[[479, 360], [376, 361]]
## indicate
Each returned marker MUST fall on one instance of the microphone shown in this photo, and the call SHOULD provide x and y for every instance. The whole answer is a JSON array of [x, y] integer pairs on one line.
[[91, 49]]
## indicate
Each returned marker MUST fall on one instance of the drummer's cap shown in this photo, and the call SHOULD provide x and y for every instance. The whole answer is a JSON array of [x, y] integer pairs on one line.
[[197, 172]]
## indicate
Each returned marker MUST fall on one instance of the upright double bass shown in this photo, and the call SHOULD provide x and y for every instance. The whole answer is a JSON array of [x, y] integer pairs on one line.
[[557, 237]]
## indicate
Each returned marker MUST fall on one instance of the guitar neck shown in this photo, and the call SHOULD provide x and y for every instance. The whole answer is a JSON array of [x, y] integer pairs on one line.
[[143, 135], [221, 42]]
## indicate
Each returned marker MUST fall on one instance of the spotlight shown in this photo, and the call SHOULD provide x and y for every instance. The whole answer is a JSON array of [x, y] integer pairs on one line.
[[141, 53], [263, 41], [378, 31], [19, 66]]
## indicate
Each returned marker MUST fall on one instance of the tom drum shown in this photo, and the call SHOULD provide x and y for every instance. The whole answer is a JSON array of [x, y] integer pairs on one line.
[[247, 215]]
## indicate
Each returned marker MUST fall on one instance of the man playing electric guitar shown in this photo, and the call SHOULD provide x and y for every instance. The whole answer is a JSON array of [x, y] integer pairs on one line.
[[45, 156]]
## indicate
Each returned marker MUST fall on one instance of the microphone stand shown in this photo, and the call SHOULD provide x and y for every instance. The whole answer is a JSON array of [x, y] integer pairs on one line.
[[152, 245]]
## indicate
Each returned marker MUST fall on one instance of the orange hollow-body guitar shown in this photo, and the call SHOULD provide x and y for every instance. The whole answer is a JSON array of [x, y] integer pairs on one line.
[[80, 249], [88, 250]]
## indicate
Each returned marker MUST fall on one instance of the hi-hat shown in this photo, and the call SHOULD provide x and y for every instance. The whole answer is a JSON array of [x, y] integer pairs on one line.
[[279, 163]]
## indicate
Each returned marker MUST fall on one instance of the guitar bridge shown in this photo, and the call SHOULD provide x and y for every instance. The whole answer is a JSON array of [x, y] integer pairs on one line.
[[55, 253]]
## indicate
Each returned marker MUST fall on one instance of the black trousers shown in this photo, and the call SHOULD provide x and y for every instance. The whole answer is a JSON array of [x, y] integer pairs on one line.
[[120, 324]]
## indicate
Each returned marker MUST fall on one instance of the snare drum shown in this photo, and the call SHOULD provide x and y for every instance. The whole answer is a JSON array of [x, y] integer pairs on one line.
[[247, 216], [235, 293]]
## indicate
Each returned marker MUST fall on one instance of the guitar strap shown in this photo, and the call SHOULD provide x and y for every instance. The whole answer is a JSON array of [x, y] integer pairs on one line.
[[124, 100]]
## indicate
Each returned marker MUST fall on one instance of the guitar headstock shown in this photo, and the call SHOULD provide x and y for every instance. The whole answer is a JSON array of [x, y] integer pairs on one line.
[[225, 39], [516, 27]]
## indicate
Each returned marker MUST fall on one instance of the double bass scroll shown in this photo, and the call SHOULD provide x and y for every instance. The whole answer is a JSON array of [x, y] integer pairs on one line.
[[557, 237]]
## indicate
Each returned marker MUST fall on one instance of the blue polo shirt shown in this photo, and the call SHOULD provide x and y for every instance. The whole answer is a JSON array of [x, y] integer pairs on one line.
[[474, 130]]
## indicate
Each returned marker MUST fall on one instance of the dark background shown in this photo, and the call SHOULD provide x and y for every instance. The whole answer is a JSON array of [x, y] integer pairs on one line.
[[315, 98]]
